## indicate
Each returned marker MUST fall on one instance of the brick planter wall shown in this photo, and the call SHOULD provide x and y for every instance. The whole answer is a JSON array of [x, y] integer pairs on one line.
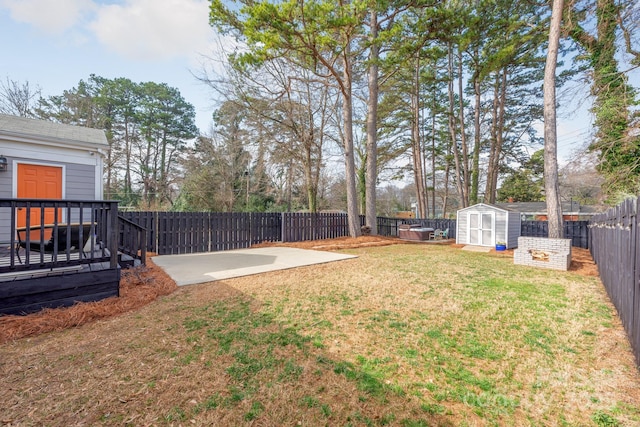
[[557, 250]]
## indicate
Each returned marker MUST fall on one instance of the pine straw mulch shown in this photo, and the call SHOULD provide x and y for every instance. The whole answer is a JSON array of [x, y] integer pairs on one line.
[[581, 260], [141, 285], [138, 287]]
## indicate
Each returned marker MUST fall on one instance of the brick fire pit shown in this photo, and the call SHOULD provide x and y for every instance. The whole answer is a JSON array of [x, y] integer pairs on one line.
[[543, 252]]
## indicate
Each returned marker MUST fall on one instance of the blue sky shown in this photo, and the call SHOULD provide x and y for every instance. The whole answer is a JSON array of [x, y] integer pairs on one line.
[[55, 44]]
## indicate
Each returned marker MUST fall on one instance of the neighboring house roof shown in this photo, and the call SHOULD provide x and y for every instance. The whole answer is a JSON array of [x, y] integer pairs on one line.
[[32, 130], [540, 208]]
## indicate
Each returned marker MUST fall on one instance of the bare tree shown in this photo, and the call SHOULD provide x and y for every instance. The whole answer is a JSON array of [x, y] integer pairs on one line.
[[17, 98], [580, 180]]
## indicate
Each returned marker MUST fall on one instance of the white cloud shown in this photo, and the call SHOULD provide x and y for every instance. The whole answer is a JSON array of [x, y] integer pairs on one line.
[[154, 29], [52, 17]]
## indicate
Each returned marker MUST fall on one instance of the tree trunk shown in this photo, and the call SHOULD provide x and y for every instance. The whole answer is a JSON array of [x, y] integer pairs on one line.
[[433, 162], [463, 136], [308, 177], [445, 197], [372, 129], [418, 171], [554, 209], [349, 161], [128, 185], [453, 133], [475, 173], [497, 128]]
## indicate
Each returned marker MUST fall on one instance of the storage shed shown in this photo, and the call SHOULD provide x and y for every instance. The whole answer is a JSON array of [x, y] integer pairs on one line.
[[485, 225]]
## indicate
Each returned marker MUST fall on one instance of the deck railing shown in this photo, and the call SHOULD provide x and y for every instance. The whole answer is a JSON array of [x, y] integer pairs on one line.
[[49, 233], [132, 239]]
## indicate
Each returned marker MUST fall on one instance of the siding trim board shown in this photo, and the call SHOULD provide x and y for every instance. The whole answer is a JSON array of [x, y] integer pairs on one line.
[[46, 153]]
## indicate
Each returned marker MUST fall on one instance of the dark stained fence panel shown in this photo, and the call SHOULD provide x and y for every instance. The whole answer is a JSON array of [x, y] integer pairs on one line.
[[298, 227], [192, 232], [388, 226], [200, 232], [614, 245], [534, 228], [229, 230], [265, 227], [577, 231]]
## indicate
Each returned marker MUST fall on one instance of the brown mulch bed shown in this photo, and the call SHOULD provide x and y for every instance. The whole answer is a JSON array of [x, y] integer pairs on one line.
[[339, 243], [138, 287], [141, 285]]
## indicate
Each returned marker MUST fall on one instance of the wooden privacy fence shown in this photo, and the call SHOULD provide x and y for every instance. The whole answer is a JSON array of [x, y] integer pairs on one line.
[[297, 227], [577, 231], [614, 246], [193, 232]]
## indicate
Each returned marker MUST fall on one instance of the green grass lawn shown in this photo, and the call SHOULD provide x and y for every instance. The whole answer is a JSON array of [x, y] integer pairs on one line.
[[409, 335]]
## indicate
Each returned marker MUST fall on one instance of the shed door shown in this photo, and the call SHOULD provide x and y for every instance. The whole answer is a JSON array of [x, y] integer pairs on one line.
[[38, 182], [481, 228]]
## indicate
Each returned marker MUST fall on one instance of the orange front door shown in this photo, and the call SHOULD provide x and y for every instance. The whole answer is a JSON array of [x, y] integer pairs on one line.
[[39, 182]]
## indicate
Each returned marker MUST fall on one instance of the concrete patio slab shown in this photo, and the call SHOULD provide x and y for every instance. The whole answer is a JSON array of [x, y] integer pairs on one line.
[[190, 269]]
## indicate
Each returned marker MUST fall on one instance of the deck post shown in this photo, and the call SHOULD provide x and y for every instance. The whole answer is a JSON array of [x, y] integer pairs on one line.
[[112, 232]]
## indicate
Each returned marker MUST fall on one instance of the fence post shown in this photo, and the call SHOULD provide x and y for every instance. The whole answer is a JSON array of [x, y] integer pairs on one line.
[[112, 230], [635, 312], [283, 227]]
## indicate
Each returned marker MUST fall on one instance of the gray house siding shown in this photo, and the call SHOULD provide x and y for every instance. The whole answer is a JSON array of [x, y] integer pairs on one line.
[[500, 229], [461, 228], [79, 185], [6, 189], [6, 186], [80, 182], [514, 229]]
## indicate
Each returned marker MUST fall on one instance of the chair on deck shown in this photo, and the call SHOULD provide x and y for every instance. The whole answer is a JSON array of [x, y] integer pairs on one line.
[[58, 240]]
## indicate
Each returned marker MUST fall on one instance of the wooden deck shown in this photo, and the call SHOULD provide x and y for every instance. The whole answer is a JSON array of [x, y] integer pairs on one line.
[[11, 263], [72, 264], [30, 291]]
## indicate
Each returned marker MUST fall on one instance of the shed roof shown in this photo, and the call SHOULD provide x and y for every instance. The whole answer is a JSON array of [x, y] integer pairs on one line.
[[486, 205], [34, 130]]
